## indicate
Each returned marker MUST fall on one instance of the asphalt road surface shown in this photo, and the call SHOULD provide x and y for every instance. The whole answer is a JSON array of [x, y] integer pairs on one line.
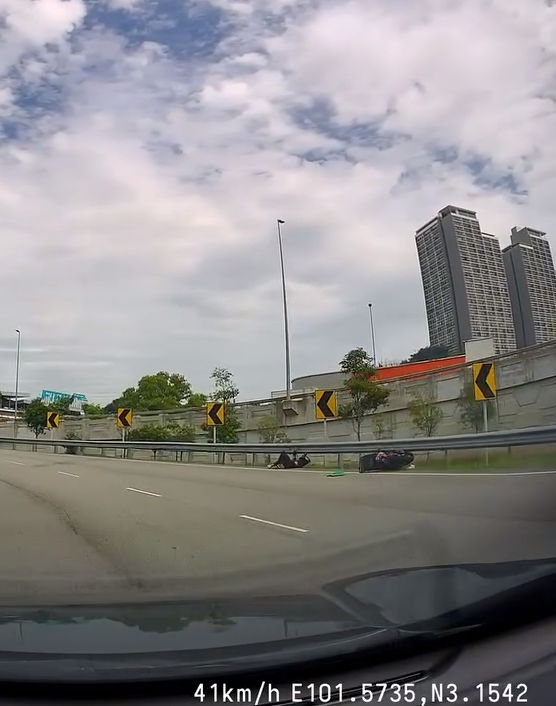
[[76, 529]]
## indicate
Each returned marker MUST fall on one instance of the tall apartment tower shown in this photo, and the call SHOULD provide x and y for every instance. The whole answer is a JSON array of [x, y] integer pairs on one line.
[[532, 284], [464, 282]]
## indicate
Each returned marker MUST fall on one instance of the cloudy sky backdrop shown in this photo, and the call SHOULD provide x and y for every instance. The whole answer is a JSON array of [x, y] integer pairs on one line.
[[147, 148]]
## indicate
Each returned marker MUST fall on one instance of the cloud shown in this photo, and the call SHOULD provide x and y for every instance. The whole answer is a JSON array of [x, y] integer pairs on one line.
[[124, 4], [146, 151]]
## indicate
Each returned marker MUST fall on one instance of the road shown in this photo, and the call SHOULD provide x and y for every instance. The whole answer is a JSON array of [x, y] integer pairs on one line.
[[75, 529]]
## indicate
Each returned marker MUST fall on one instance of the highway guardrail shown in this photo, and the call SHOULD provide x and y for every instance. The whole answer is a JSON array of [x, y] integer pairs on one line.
[[497, 439]]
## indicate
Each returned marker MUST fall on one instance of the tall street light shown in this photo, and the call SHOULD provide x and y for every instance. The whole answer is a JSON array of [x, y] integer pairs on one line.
[[372, 333], [279, 223], [17, 380]]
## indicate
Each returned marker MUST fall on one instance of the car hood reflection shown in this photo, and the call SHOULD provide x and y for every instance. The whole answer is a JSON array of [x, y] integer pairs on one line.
[[357, 605]]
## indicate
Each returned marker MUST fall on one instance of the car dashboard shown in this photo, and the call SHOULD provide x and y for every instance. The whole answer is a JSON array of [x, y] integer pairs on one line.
[[517, 667]]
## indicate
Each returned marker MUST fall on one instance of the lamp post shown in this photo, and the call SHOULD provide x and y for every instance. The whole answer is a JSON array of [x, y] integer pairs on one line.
[[372, 333], [279, 223], [18, 332]]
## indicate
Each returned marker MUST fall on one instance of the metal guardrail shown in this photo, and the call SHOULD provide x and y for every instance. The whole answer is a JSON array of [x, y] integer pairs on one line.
[[498, 439]]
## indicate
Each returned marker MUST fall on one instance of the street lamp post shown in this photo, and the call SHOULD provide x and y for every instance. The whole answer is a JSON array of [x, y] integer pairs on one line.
[[280, 222], [17, 380], [372, 333]]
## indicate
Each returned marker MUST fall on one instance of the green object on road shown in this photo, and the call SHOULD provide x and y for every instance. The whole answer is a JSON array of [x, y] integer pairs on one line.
[[337, 472]]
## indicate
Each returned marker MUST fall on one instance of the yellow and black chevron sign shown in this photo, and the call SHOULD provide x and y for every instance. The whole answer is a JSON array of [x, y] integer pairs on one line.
[[325, 404], [215, 414], [52, 420], [484, 381], [124, 418]]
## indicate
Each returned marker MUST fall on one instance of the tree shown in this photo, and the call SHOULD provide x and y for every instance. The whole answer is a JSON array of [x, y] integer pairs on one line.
[[72, 436], [93, 410], [197, 400], [183, 433], [471, 411], [149, 432], [428, 353], [160, 391], [425, 413], [163, 432], [35, 416], [270, 432], [366, 394], [62, 405], [225, 391], [378, 422]]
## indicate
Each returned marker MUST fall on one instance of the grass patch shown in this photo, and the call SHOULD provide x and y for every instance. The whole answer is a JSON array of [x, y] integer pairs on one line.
[[501, 461]]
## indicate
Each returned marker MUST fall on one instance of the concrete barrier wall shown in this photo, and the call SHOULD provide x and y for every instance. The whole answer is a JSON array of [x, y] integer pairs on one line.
[[526, 382]]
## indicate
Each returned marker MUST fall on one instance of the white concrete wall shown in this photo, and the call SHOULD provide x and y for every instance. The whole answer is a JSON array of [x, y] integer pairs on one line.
[[526, 383]]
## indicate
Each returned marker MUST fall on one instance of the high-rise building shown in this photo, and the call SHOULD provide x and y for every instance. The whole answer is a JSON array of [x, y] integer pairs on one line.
[[464, 282], [532, 285]]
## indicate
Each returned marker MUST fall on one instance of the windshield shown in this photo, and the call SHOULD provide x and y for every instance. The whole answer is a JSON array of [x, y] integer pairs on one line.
[[279, 337]]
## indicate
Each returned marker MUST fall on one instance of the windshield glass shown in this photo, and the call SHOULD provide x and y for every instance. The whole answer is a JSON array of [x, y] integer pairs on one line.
[[279, 321]]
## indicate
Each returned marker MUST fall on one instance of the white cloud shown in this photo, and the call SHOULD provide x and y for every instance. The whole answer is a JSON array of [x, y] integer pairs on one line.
[[33, 24], [140, 192], [124, 4]]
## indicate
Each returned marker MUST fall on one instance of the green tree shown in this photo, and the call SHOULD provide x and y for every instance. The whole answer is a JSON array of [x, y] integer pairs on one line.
[[425, 413], [366, 395], [225, 391], [471, 411], [149, 432], [197, 400], [225, 388], [72, 436], [92, 410], [163, 432], [182, 433], [160, 391], [35, 416], [62, 406], [378, 422], [428, 353], [270, 432]]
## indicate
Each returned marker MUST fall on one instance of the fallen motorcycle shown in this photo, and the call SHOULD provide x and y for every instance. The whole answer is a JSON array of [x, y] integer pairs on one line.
[[386, 460]]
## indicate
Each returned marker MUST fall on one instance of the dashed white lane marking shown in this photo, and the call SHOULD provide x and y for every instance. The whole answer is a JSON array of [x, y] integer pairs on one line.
[[273, 524], [144, 492], [17, 463], [62, 473]]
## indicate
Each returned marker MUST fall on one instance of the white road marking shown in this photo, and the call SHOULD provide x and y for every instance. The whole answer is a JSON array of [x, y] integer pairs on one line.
[[17, 463], [463, 474], [62, 473], [144, 492], [273, 524]]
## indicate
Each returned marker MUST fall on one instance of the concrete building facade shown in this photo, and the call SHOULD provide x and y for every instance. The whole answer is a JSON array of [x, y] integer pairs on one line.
[[532, 286], [464, 282]]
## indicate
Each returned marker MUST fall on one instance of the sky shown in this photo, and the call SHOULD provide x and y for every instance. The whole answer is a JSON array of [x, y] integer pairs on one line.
[[148, 147]]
